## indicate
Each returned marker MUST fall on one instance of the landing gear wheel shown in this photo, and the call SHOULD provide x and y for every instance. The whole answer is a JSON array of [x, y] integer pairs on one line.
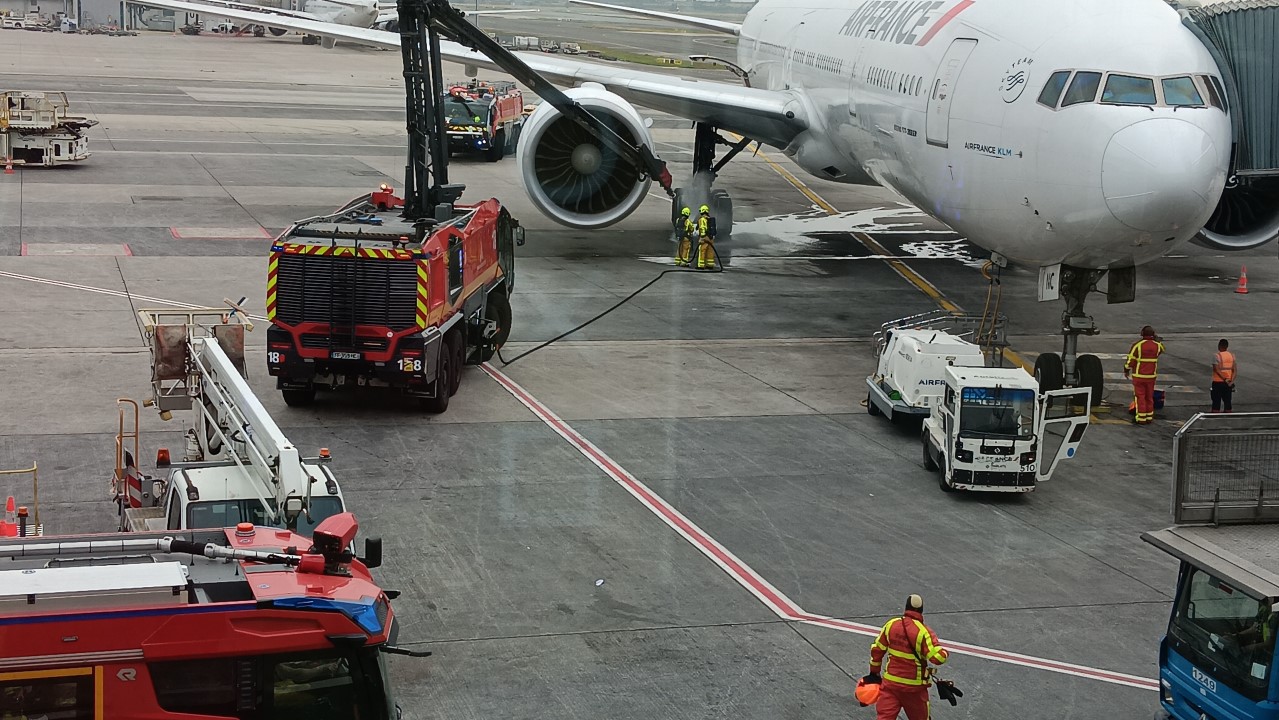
[[443, 380], [298, 397], [942, 482], [1088, 368], [1048, 372], [722, 210], [871, 408], [929, 463], [677, 204], [499, 311], [497, 150]]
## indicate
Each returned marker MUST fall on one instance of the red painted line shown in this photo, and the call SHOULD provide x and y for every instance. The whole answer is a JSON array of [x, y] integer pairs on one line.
[[745, 576], [173, 232], [23, 250], [128, 252], [944, 20]]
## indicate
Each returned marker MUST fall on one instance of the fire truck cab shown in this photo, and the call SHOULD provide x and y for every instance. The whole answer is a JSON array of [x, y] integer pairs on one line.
[[484, 117], [355, 300], [245, 622]]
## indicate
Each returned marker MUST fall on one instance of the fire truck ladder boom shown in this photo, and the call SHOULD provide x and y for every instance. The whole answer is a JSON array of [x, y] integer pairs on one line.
[[426, 178]]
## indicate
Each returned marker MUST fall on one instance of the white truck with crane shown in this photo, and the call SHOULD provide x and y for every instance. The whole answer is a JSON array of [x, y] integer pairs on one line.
[[984, 428], [238, 465]]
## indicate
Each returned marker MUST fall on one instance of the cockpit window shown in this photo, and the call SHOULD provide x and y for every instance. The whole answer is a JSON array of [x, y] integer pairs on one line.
[[1216, 95], [1129, 90], [1181, 91], [1052, 89], [1083, 89]]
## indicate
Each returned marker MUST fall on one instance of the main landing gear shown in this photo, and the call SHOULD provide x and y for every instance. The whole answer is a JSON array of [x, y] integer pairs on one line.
[[704, 171], [1070, 369]]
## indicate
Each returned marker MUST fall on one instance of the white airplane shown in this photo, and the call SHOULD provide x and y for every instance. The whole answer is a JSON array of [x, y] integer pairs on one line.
[[1082, 137], [354, 13]]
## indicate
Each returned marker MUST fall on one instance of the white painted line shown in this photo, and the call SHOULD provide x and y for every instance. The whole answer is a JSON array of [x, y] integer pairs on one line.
[[220, 233], [106, 291], [66, 249], [752, 581]]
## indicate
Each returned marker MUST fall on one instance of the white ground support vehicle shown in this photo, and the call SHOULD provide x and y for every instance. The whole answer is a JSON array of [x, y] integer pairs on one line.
[[908, 379], [238, 466], [35, 129], [990, 430]]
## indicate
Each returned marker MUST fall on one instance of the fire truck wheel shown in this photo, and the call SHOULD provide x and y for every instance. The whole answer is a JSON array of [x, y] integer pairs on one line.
[[443, 380], [497, 150], [298, 397], [498, 310], [459, 361]]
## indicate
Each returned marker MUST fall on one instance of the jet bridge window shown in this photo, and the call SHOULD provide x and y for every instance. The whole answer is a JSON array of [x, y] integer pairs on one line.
[[1051, 93], [1129, 90], [1083, 88], [1181, 92]]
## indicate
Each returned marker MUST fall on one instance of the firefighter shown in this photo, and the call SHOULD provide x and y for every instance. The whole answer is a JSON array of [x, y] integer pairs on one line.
[[1223, 377], [684, 229], [910, 646], [1142, 367], [705, 239]]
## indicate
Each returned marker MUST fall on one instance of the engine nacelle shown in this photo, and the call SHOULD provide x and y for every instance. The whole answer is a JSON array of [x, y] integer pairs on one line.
[[1247, 216], [569, 175]]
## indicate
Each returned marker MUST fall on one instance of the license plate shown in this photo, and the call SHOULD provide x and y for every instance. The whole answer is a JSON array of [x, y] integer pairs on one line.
[[337, 355]]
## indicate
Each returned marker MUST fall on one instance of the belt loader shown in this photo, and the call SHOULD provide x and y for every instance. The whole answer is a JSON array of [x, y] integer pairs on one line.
[[238, 465]]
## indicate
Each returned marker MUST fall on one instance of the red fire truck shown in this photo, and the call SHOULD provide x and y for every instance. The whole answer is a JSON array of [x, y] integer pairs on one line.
[[354, 301], [246, 622], [483, 116]]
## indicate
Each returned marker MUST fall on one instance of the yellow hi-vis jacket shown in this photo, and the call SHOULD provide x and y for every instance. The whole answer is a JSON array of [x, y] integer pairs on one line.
[[1143, 358], [906, 641]]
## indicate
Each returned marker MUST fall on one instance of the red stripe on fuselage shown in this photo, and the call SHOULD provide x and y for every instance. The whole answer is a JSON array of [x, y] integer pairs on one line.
[[941, 23]]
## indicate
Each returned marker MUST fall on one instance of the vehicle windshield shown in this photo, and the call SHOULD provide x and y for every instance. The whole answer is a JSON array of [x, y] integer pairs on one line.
[[459, 111], [301, 686], [1224, 632], [997, 412], [229, 513]]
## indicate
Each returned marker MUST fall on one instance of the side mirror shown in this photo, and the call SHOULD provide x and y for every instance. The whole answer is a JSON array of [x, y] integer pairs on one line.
[[372, 552]]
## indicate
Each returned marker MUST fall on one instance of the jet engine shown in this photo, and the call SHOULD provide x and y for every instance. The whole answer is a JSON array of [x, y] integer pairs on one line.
[[572, 177], [1247, 216]]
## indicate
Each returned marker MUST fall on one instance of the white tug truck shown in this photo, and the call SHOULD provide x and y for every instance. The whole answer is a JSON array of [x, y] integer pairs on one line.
[[238, 465], [36, 129], [984, 428]]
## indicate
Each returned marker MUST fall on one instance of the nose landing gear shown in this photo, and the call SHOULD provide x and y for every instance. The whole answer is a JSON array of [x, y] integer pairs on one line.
[[1070, 369]]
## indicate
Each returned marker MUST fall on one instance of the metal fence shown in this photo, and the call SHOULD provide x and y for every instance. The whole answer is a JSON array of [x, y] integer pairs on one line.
[[1226, 469]]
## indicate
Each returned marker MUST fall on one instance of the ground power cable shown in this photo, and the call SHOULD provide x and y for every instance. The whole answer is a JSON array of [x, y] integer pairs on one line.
[[718, 268]]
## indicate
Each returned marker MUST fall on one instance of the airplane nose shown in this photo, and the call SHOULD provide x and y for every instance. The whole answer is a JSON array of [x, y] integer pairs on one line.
[[1159, 174]]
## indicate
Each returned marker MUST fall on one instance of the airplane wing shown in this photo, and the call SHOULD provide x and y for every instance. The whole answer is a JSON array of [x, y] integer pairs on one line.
[[703, 23], [771, 117]]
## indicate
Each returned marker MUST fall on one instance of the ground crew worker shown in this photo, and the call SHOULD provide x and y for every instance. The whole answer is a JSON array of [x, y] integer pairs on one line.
[[705, 239], [1143, 367], [1223, 377], [910, 646], [684, 230]]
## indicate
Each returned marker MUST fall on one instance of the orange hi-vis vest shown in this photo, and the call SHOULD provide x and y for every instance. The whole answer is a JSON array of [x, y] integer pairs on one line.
[[1224, 370], [906, 641], [1143, 358]]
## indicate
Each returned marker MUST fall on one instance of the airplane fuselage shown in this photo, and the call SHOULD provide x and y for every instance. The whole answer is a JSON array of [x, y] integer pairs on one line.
[[940, 101]]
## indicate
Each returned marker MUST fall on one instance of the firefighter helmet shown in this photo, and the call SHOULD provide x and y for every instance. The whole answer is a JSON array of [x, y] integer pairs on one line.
[[685, 212], [705, 210], [866, 693]]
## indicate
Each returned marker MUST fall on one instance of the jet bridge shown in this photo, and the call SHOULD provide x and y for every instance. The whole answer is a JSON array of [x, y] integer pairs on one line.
[[1243, 37]]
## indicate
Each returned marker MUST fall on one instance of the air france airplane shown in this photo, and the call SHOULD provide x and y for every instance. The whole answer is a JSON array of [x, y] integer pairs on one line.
[[1083, 137]]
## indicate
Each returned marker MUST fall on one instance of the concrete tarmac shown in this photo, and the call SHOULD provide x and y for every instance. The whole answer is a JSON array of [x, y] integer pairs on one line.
[[543, 586]]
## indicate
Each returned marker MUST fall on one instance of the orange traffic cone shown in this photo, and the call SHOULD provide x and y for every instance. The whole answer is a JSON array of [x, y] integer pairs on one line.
[[1243, 280], [8, 166], [9, 526]]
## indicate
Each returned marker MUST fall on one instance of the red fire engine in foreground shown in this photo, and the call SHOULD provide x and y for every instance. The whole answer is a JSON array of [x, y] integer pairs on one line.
[[247, 622], [484, 116]]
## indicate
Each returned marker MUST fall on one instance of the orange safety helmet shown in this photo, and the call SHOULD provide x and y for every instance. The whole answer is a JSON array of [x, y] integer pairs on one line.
[[866, 693]]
